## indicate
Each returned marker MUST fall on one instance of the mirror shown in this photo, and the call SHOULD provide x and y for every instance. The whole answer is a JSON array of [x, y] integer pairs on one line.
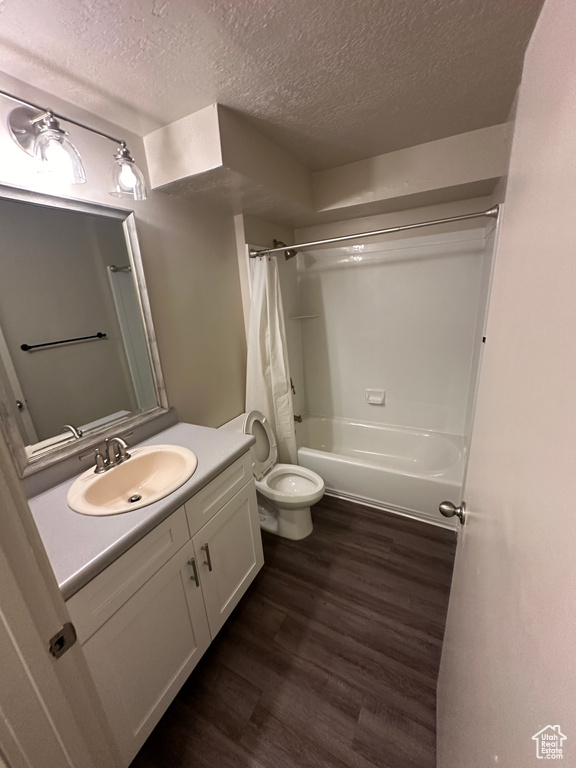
[[78, 355]]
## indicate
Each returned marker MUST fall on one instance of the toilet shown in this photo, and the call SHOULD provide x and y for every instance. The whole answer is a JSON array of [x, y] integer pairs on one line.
[[285, 491]]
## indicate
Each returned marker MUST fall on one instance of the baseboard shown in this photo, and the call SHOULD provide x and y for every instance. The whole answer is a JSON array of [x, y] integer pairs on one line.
[[392, 510]]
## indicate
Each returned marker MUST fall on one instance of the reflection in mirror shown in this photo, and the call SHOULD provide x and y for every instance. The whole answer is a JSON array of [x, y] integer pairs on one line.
[[73, 342]]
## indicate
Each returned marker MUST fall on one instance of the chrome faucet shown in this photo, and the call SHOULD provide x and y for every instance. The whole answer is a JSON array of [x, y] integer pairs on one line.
[[116, 453], [76, 432]]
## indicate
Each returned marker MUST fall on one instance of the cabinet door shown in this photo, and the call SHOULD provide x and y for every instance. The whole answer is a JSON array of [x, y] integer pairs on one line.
[[95, 603], [143, 654], [229, 550]]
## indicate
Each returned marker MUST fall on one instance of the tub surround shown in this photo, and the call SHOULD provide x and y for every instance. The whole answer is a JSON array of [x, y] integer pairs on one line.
[[81, 547], [407, 471], [380, 315], [388, 313]]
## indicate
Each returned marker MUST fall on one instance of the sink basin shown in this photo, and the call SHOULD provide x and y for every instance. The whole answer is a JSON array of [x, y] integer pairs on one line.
[[150, 474]]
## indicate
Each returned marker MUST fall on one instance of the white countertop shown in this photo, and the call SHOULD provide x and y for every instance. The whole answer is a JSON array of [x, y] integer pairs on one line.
[[80, 547]]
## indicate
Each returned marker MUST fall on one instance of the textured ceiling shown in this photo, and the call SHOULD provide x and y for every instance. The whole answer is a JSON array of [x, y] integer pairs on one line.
[[331, 81]]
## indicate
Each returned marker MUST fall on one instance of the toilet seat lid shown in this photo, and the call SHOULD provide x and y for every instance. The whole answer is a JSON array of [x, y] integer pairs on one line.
[[264, 452]]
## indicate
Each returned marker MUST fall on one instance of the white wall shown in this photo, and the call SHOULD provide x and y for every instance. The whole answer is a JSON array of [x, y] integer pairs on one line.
[[215, 155], [412, 173], [189, 260], [400, 315], [508, 662]]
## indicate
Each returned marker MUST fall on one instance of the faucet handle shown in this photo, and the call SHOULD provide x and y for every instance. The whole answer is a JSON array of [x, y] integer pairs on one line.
[[100, 462]]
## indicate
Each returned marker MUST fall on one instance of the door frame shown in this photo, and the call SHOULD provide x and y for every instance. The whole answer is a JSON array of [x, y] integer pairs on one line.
[[13, 385], [50, 713]]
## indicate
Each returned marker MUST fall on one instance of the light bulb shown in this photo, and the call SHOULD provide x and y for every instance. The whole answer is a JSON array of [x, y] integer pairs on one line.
[[56, 160], [125, 178]]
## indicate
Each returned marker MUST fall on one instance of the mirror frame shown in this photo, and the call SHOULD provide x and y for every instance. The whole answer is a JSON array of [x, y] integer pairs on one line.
[[27, 465]]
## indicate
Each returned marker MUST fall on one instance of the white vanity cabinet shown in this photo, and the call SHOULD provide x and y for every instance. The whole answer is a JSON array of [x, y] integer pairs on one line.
[[146, 620], [229, 555], [142, 655]]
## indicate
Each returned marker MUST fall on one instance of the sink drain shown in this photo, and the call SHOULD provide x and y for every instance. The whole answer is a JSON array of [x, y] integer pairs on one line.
[[134, 498]]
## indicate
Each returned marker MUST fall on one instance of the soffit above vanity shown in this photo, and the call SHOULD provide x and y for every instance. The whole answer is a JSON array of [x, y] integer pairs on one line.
[[215, 156]]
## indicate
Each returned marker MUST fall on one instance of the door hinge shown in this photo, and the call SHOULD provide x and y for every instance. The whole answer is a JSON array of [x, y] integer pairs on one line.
[[63, 640]]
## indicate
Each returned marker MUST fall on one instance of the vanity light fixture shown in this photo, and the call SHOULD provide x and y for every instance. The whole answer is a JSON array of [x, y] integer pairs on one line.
[[54, 151], [38, 133], [126, 179]]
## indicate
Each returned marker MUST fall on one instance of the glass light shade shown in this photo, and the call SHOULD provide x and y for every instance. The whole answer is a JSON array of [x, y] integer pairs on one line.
[[56, 154], [126, 180]]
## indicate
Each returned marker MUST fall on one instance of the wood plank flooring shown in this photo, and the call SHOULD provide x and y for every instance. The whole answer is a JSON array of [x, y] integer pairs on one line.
[[331, 658]]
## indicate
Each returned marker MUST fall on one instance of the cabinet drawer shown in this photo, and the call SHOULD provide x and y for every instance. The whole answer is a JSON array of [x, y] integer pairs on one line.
[[103, 596], [212, 497]]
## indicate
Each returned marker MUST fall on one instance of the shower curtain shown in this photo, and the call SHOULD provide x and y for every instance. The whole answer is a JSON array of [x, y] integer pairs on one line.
[[268, 374]]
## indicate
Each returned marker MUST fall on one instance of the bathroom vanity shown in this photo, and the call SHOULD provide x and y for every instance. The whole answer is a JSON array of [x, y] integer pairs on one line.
[[149, 589]]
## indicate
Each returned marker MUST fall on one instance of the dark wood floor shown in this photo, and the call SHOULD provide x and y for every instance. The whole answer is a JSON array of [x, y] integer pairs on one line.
[[329, 661]]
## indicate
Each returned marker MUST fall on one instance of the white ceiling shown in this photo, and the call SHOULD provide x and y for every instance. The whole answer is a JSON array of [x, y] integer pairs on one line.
[[332, 81]]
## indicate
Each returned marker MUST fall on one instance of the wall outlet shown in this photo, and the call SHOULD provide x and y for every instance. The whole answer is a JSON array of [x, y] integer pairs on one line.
[[375, 396]]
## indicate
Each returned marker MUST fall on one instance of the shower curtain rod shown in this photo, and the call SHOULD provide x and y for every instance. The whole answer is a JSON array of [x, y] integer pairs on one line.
[[491, 213]]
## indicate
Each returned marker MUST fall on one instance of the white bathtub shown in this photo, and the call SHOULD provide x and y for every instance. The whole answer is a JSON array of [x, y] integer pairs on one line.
[[403, 470]]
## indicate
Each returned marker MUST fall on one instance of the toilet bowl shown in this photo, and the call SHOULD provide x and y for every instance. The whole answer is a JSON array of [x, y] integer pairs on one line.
[[285, 491]]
